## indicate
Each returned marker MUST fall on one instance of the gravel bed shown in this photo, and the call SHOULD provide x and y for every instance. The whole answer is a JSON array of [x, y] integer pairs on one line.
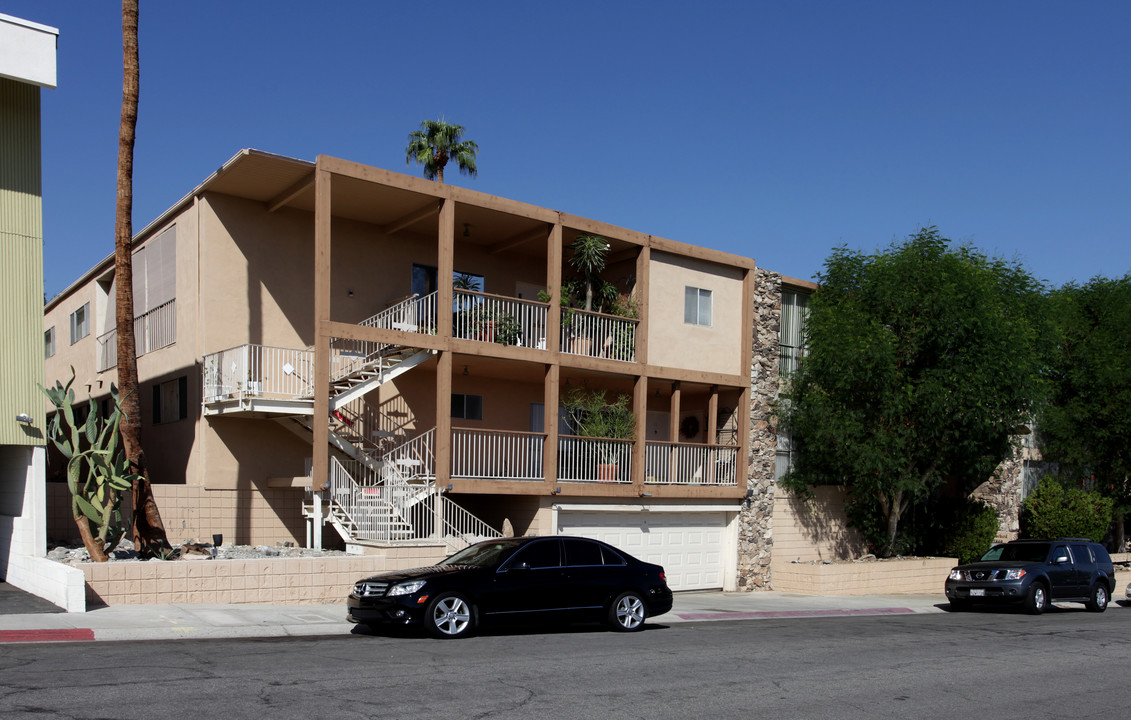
[[72, 554]]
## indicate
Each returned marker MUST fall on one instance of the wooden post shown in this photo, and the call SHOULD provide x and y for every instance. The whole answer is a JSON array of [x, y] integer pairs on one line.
[[550, 401], [554, 287], [643, 265], [639, 447], [445, 261], [673, 431], [321, 419]]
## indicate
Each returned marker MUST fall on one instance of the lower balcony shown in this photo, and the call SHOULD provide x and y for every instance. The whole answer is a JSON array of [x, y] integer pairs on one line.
[[518, 456]]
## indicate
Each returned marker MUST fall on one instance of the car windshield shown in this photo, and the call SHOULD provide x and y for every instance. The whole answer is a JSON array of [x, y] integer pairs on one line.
[[1023, 552], [485, 554]]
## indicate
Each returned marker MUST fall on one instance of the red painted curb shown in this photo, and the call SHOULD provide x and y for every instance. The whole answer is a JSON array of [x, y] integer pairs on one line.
[[74, 635], [791, 614]]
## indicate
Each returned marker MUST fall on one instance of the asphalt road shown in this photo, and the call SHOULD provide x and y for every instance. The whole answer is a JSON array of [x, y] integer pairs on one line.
[[1067, 663]]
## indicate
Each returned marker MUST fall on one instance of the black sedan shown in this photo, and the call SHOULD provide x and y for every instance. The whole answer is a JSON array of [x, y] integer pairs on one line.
[[533, 579]]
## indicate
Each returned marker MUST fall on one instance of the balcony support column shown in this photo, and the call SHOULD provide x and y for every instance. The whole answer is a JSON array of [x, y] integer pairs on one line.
[[673, 431], [712, 431], [640, 444], [550, 400], [320, 453], [443, 450], [554, 288]]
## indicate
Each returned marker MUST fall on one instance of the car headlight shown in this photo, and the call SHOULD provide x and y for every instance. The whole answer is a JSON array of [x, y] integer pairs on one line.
[[955, 574], [406, 588], [1014, 574]]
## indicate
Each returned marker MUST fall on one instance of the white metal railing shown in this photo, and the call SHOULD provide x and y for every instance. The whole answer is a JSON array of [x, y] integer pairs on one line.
[[153, 330], [598, 335], [689, 464], [413, 314], [497, 454], [413, 459], [582, 459], [462, 526], [400, 512], [498, 319], [258, 370]]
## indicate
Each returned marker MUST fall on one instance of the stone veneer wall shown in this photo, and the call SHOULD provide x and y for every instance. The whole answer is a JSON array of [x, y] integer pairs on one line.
[[192, 513], [1005, 490], [755, 522]]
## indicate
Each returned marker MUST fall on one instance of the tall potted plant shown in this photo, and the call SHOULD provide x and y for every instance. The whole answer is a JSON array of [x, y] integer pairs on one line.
[[592, 415]]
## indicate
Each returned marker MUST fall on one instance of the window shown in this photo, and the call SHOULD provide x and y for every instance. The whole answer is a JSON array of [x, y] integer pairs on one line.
[[467, 407], [696, 306], [794, 312], [170, 401], [80, 323], [49, 342], [540, 554], [582, 552]]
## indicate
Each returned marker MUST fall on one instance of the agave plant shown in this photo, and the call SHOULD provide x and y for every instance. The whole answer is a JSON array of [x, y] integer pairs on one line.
[[97, 471]]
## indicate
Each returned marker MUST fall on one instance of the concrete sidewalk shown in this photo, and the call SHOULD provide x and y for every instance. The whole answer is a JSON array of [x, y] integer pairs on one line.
[[180, 622]]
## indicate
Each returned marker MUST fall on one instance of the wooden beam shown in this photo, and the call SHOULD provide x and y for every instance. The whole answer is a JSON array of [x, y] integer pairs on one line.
[[288, 482], [445, 264], [412, 218], [290, 193], [519, 239], [442, 452], [700, 253]]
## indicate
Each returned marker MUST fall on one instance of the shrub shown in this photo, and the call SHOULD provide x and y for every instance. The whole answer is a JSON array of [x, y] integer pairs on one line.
[[1051, 511], [968, 531]]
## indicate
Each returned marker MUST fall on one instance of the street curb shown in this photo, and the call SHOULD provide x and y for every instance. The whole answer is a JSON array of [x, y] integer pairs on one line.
[[771, 614], [71, 635]]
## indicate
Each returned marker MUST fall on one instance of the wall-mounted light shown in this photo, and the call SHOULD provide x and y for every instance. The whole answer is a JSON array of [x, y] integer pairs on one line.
[[349, 292], [467, 229], [465, 372], [24, 418]]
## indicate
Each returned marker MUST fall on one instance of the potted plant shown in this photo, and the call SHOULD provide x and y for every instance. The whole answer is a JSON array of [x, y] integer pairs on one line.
[[592, 415]]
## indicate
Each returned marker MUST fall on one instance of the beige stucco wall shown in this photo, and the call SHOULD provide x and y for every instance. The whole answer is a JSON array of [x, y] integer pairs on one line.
[[813, 530], [676, 344]]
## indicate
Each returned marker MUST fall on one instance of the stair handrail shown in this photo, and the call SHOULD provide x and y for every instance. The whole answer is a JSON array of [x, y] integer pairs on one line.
[[460, 523], [420, 454]]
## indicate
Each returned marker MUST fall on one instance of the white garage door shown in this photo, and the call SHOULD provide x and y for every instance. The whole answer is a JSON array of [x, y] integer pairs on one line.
[[688, 545]]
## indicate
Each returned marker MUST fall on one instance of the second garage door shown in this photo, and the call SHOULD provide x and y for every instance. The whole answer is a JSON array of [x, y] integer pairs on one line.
[[688, 544]]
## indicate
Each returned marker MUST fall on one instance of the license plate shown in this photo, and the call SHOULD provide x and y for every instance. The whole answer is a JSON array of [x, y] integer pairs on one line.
[[977, 592]]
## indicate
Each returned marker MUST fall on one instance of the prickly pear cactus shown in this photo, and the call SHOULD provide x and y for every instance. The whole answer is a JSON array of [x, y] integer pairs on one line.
[[97, 471]]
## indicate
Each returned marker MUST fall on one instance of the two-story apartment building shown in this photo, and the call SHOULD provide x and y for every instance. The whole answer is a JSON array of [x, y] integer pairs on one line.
[[333, 348]]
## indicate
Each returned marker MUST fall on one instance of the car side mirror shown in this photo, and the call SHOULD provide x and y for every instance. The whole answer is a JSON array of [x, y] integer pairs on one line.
[[1060, 560]]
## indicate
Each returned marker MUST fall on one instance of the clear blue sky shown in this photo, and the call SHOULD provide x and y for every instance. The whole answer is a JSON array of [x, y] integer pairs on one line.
[[776, 130]]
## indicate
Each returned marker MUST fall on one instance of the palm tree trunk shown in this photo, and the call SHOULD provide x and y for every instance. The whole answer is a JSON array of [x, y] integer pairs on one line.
[[148, 530]]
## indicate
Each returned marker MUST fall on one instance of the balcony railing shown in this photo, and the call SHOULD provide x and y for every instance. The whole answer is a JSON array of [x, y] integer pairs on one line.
[[152, 331], [497, 454], [258, 370], [498, 319], [582, 459], [598, 335], [688, 464]]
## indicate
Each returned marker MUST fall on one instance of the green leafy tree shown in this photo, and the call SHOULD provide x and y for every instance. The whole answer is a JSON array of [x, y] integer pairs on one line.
[[435, 144], [921, 366], [1086, 427]]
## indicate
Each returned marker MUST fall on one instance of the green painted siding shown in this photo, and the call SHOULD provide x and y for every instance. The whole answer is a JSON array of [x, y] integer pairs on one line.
[[21, 265]]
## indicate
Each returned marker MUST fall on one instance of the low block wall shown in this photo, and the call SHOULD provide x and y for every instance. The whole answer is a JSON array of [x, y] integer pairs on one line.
[[884, 577], [267, 580]]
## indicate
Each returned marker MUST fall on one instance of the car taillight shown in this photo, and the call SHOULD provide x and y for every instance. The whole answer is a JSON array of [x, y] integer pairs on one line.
[[664, 578]]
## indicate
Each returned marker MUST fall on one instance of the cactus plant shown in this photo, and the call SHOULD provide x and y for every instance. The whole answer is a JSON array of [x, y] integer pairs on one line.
[[97, 471]]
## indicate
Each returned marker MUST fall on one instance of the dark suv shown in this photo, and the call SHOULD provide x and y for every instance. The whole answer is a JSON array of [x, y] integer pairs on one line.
[[1034, 573]]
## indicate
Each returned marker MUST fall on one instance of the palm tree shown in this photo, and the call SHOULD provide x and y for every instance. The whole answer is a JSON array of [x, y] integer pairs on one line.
[[437, 142], [148, 531]]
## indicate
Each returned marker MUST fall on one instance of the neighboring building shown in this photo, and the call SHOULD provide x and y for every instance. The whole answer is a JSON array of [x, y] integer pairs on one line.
[[297, 325], [27, 63]]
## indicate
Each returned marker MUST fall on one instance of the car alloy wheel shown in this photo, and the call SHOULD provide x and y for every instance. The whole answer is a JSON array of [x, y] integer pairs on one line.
[[449, 615], [1099, 598], [627, 612], [1037, 600]]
